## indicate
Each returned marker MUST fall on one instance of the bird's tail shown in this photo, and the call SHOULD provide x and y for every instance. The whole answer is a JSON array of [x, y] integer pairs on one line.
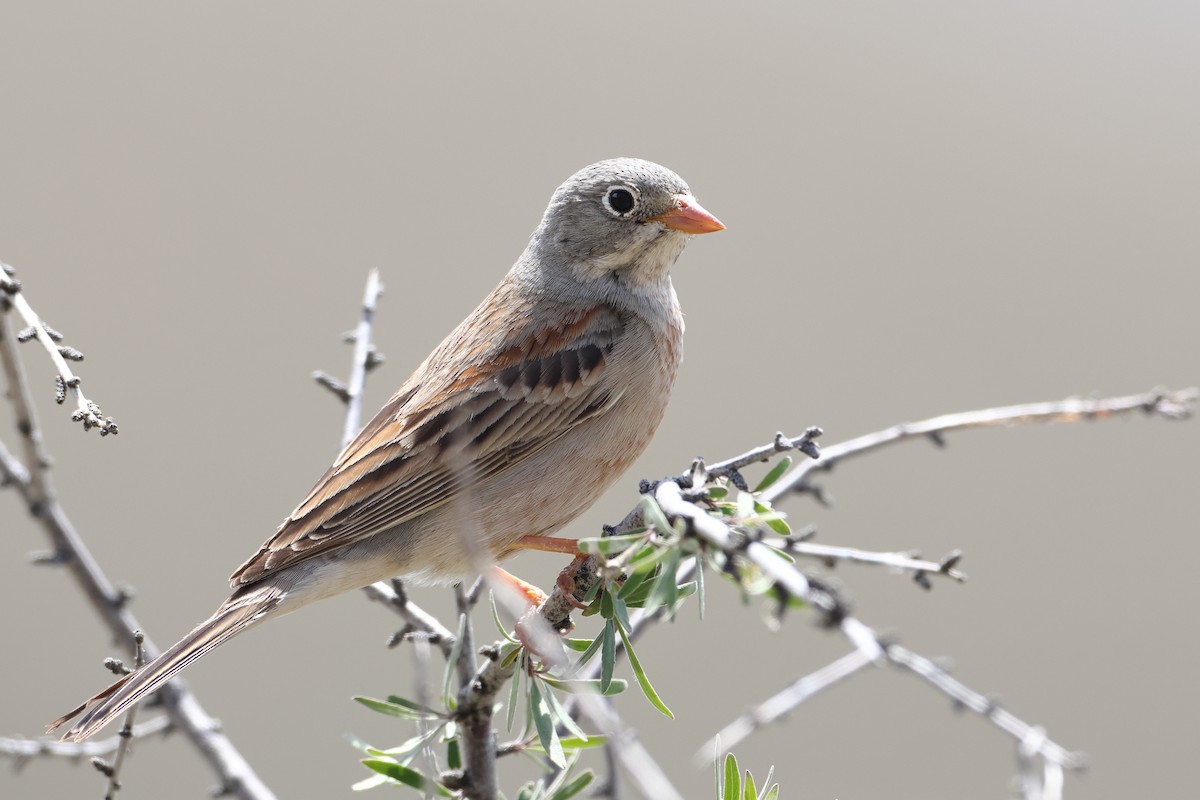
[[237, 614]]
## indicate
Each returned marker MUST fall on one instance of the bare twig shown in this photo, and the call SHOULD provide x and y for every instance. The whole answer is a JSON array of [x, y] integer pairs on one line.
[[1033, 740], [869, 646], [783, 702], [113, 770], [905, 562], [22, 750], [1170, 405], [37, 491], [419, 621], [364, 357], [86, 411]]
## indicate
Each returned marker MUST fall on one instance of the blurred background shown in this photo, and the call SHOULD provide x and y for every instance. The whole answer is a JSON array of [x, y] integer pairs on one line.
[[931, 207]]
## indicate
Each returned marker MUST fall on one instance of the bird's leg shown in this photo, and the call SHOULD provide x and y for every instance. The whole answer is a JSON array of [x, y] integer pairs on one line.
[[526, 630], [532, 594], [554, 544]]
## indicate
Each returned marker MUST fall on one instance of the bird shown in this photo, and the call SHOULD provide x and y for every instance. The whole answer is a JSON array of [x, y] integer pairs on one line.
[[511, 428]]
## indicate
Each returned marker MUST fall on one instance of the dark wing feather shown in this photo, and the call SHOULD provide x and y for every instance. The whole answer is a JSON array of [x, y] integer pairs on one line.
[[462, 417]]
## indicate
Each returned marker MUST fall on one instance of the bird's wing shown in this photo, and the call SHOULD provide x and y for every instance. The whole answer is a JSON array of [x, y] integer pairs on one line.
[[483, 402]]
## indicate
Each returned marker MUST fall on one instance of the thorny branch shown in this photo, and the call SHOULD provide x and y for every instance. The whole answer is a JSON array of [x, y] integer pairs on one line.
[[86, 411], [1170, 405], [21, 751], [869, 646], [113, 769], [32, 481], [1034, 745]]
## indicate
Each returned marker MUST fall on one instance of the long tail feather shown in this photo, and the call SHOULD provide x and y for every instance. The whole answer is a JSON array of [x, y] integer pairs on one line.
[[232, 618]]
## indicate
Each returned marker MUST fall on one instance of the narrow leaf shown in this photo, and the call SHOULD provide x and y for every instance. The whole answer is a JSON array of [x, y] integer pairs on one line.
[[654, 516], [621, 613], [643, 681], [511, 711], [773, 475], [369, 783], [774, 519], [733, 783], [665, 591], [749, 792], [560, 713], [650, 558], [611, 545], [635, 580], [608, 655], [574, 787], [544, 723], [606, 605], [617, 685], [572, 743], [578, 645], [405, 775], [496, 618], [398, 707], [591, 650]]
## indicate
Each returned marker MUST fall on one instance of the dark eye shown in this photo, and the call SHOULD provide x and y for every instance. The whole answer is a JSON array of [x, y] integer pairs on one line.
[[620, 200]]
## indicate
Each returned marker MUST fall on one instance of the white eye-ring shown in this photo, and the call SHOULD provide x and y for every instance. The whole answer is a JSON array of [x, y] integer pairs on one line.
[[620, 200]]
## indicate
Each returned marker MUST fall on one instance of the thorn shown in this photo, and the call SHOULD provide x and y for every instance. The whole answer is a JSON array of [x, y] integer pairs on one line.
[[937, 438], [782, 443], [374, 358], [921, 578], [818, 492], [948, 564], [224, 790], [53, 334], [69, 353], [25, 334], [103, 766], [400, 636], [805, 533], [122, 597], [333, 384], [48, 558]]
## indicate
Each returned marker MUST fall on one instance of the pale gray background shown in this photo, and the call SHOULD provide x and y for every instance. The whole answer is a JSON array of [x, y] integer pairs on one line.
[[932, 206]]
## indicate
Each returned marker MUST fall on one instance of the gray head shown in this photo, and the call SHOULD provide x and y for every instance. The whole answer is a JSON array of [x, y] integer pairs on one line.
[[623, 217]]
